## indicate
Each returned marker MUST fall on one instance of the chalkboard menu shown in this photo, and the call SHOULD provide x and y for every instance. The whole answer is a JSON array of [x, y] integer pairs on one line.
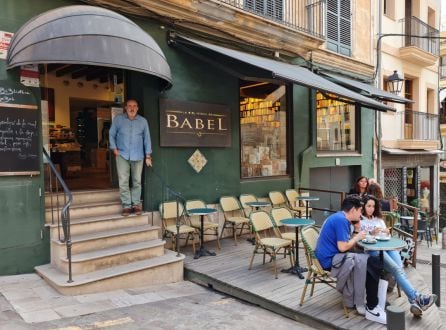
[[19, 131]]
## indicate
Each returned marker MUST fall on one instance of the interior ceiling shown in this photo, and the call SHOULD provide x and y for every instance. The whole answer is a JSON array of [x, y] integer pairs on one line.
[[89, 73]]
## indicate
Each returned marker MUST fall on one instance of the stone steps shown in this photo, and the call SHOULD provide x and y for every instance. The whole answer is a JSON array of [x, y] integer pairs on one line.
[[167, 268], [108, 251]]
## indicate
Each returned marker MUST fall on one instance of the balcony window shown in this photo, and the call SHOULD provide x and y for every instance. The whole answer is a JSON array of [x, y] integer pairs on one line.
[[263, 129], [443, 66], [339, 26], [267, 8], [336, 124]]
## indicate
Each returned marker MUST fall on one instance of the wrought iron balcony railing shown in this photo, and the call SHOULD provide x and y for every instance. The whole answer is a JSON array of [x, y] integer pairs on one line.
[[307, 16], [413, 26], [420, 125]]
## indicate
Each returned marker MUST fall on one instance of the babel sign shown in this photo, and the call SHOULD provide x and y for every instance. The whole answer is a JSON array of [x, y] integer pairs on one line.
[[194, 124]]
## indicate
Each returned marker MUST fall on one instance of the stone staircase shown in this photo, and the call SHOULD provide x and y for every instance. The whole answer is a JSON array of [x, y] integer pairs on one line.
[[109, 251]]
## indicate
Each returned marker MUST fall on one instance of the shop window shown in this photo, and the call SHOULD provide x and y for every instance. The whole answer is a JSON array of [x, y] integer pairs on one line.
[[336, 124], [263, 129]]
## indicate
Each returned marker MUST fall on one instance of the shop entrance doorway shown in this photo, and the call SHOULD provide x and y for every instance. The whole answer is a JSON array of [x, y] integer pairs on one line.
[[78, 102]]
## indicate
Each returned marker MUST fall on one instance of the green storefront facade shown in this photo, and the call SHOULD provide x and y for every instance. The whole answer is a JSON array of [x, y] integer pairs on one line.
[[24, 239]]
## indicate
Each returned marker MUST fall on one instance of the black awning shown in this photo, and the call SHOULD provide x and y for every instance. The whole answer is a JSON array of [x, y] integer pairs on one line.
[[367, 90], [289, 72], [87, 35]]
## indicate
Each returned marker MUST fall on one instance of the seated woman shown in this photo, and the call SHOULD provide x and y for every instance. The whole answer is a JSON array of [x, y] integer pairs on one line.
[[374, 189], [360, 186], [372, 223]]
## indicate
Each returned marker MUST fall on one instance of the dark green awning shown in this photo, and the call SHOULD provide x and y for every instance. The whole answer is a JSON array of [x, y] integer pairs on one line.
[[367, 90], [87, 35], [288, 72]]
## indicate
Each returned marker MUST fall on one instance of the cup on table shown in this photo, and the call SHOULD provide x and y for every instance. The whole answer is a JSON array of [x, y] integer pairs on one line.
[[369, 238], [383, 235]]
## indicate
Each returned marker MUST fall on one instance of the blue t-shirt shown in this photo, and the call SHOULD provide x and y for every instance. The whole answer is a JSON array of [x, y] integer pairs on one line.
[[336, 228]]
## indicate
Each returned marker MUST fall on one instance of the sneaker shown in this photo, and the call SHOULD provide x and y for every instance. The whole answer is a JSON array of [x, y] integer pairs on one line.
[[415, 309], [360, 310], [376, 315], [424, 301], [137, 209], [126, 211]]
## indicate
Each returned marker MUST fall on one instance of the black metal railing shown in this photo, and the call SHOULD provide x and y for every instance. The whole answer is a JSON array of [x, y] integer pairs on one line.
[[307, 16], [167, 193], [413, 26], [421, 125], [60, 207]]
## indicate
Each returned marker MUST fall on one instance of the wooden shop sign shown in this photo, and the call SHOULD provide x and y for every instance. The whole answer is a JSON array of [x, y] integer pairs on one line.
[[194, 124]]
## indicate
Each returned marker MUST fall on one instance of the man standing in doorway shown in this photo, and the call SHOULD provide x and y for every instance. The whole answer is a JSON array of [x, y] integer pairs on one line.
[[131, 145]]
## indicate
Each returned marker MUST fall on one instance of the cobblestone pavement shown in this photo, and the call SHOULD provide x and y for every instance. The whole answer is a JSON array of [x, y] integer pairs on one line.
[[27, 302], [424, 267]]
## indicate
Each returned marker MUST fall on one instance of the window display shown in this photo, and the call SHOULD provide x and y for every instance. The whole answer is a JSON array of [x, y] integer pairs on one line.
[[263, 129], [336, 124]]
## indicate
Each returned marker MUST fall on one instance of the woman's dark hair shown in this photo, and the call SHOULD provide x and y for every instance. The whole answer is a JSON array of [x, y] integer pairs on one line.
[[377, 211], [375, 190], [355, 187]]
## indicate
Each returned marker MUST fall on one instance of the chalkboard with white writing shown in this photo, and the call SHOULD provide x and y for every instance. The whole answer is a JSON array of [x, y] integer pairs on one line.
[[19, 132]]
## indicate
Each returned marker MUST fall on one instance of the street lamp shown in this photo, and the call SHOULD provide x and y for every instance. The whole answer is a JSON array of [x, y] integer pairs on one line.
[[395, 83]]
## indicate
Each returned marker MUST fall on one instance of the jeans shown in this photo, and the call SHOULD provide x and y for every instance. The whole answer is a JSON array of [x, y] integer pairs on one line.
[[125, 168], [394, 265]]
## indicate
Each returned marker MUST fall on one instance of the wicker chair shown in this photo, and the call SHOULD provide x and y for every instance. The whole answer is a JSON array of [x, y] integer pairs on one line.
[[316, 274], [169, 211], [246, 198], [234, 216], [296, 205], [209, 227], [268, 240]]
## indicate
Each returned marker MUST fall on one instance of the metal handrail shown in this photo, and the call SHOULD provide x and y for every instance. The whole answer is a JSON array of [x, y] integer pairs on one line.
[[340, 193], [178, 198], [415, 212], [64, 211]]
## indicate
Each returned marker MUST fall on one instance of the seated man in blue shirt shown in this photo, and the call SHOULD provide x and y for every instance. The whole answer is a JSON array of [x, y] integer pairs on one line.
[[131, 145], [335, 238]]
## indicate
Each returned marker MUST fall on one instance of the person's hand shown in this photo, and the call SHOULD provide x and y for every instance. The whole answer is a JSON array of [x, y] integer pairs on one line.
[[116, 152], [360, 236], [149, 162]]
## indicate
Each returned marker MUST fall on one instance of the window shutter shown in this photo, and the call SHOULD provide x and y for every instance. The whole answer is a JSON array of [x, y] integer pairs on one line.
[[339, 26], [267, 8]]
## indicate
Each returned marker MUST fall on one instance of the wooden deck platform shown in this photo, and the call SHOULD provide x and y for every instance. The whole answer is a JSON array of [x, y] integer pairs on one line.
[[228, 272]]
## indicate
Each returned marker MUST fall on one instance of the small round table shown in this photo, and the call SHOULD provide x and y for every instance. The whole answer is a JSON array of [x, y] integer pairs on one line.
[[202, 252], [296, 222], [256, 205], [307, 199], [387, 245]]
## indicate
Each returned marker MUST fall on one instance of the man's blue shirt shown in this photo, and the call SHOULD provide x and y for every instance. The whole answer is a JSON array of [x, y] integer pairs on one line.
[[335, 228], [130, 137]]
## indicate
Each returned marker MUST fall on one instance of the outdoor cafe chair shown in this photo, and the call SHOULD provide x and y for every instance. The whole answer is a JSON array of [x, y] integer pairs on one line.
[[209, 227], [316, 274], [268, 241], [278, 214], [168, 212], [278, 199], [246, 198], [296, 205], [235, 218]]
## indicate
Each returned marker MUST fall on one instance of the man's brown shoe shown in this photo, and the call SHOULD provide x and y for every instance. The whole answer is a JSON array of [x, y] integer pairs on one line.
[[126, 212], [137, 209]]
